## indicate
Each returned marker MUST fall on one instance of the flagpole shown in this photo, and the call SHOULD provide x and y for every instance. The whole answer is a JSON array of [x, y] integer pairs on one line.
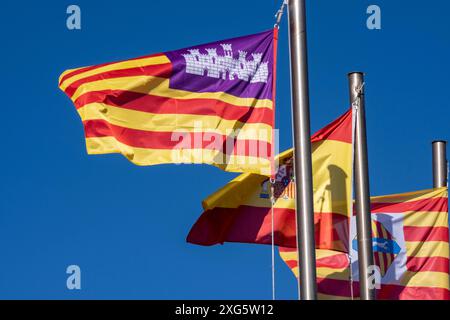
[[362, 193], [439, 164], [302, 150]]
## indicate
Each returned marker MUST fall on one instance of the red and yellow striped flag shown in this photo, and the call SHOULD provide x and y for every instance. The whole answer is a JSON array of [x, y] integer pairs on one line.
[[241, 210], [411, 250], [211, 103]]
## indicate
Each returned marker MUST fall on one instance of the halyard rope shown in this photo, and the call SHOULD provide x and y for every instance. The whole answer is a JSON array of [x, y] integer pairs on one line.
[[272, 204]]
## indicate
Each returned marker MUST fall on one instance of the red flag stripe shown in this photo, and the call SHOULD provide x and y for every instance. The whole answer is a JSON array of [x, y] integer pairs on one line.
[[341, 288], [249, 224], [391, 292], [385, 261], [340, 130], [438, 204], [413, 233], [163, 140], [437, 264], [379, 229], [336, 287], [376, 258], [162, 105]]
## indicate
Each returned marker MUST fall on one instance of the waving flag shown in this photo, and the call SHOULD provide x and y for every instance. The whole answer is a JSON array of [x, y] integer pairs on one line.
[[241, 210], [411, 250], [211, 103]]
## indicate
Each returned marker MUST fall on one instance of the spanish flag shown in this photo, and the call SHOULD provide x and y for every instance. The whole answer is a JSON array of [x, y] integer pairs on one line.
[[211, 103], [411, 250], [241, 210]]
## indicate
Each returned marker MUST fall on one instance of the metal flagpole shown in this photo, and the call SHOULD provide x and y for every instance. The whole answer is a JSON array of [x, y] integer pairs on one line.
[[302, 150], [362, 193], [439, 164]]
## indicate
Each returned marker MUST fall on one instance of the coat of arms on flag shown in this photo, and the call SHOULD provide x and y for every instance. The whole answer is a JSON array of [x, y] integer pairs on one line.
[[385, 247]]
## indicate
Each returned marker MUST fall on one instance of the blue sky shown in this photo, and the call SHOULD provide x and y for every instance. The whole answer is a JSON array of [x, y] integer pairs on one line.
[[124, 225]]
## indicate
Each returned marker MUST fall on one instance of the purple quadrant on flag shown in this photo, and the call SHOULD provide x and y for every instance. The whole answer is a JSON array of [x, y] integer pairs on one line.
[[242, 66]]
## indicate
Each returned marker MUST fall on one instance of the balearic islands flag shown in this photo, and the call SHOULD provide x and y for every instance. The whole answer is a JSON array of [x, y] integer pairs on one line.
[[211, 103], [241, 210], [411, 249]]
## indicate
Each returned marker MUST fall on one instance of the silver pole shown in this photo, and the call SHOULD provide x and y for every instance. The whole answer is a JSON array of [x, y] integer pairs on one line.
[[302, 148], [362, 193], [439, 164]]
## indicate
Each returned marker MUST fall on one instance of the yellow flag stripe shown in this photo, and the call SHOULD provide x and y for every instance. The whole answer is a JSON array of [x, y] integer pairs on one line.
[[427, 249], [425, 219], [425, 279], [320, 254], [143, 156], [329, 273], [333, 273]]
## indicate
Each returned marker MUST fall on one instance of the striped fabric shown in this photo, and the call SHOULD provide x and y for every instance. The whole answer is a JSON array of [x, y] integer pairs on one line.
[[211, 104], [411, 248], [383, 243], [241, 210]]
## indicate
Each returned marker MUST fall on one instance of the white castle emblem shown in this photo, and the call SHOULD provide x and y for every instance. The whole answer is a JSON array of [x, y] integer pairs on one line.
[[225, 66]]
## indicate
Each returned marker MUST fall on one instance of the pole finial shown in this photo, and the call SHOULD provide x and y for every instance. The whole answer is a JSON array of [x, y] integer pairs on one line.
[[357, 72]]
